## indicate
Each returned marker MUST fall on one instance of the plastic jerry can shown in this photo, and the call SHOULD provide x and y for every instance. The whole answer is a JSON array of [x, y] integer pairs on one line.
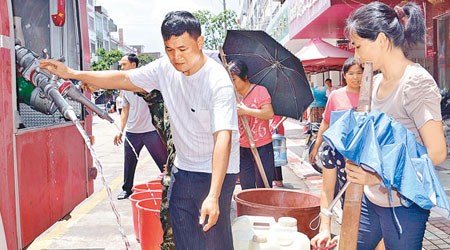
[[279, 241], [261, 242], [244, 228], [292, 241], [286, 224], [264, 233]]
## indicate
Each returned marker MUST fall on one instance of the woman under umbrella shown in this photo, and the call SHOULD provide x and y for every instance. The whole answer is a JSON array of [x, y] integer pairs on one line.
[[256, 106]]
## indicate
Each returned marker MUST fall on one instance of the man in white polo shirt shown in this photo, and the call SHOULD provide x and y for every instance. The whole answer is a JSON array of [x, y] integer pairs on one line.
[[137, 121], [199, 97]]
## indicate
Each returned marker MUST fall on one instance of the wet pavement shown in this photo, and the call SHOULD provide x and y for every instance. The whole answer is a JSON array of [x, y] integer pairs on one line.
[[92, 225]]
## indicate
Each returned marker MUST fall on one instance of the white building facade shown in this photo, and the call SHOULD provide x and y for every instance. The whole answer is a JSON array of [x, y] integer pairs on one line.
[[100, 28]]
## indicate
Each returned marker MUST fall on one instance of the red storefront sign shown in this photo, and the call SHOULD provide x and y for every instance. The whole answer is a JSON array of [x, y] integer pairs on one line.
[[302, 12], [322, 18]]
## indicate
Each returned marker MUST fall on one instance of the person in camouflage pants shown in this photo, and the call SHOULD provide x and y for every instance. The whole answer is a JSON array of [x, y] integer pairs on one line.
[[160, 120]]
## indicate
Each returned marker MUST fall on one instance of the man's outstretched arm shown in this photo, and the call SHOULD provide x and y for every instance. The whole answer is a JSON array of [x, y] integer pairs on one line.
[[92, 80]]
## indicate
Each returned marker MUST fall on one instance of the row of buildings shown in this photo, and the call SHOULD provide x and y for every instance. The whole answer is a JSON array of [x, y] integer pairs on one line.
[[104, 33], [294, 22]]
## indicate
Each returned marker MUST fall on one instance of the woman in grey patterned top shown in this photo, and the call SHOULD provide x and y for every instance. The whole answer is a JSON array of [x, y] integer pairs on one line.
[[407, 93]]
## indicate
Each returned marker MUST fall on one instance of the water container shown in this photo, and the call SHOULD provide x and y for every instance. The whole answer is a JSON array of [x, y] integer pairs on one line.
[[279, 149], [150, 229], [154, 182], [244, 228], [262, 242], [280, 241], [278, 203], [286, 224], [263, 233], [135, 198], [246, 222], [147, 186], [291, 241]]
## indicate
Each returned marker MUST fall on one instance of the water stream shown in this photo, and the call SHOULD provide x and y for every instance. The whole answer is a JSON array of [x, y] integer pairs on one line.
[[108, 189], [135, 153], [126, 138], [154, 200]]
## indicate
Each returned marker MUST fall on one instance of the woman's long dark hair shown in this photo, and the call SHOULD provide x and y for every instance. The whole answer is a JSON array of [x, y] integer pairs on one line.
[[374, 18]]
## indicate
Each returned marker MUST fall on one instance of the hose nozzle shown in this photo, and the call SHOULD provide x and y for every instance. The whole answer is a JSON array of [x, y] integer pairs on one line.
[[69, 89]]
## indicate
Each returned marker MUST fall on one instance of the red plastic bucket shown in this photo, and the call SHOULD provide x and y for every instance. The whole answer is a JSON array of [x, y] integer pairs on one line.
[[146, 186], [154, 182], [136, 197], [150, 230]]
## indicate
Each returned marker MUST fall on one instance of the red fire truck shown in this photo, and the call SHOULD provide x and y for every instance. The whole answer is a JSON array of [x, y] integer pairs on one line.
[[45, 168]]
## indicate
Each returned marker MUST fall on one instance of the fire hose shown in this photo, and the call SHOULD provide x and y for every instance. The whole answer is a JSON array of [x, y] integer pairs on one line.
[[49, 94], [50, 91]]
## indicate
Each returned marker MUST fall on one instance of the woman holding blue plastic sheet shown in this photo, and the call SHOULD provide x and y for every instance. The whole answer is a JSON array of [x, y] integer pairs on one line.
[[407, 93]]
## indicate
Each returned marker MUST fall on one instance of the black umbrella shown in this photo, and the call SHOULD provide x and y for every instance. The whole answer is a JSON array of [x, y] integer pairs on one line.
[[272, 66]]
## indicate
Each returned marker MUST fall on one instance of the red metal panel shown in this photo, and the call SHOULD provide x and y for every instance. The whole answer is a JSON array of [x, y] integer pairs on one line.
[[84, 32], [4, 18], [7, 194], [86, 66], [52, 177]]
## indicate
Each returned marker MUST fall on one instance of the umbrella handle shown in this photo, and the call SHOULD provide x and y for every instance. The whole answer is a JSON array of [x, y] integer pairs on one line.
[[327, 211], [280, 122]]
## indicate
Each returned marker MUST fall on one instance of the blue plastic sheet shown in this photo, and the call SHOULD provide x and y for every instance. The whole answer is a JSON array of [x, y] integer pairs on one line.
[[320, 97], [380, 144]]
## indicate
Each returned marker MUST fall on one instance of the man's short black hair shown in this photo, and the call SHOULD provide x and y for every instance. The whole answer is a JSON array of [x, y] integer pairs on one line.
[[177, 22], [328, 79], [133, 58]]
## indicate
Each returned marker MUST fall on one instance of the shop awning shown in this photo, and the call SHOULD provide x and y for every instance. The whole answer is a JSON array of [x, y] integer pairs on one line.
[[323, 18], [319, 56]]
